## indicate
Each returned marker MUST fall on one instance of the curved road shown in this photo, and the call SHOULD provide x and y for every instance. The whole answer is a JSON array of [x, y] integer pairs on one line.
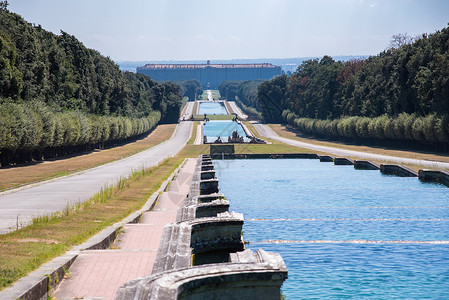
[[23, 204], [266, 131]]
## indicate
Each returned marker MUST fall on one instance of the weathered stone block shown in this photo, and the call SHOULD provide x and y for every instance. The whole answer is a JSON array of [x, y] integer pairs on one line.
[[207, 175], [343, 161], [434, 176], [219, 149], [249, 275], [209, 186], [398, 170], [326, 158], [365, 165]]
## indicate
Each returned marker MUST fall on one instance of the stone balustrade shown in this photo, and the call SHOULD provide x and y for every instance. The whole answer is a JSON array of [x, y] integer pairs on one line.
[[202, 255]]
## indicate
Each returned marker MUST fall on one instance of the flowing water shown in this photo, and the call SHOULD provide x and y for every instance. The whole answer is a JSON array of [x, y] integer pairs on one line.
[[343, 233]]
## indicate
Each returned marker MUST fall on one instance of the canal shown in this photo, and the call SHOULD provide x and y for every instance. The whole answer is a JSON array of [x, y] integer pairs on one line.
[[343, 233]]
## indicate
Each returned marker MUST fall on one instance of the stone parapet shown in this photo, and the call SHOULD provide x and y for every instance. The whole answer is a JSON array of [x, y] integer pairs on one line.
[[434, 176], [250, 275], [202, 209], [343, 161], [201, 256], [366, 165], [398, 170], [326, 158]]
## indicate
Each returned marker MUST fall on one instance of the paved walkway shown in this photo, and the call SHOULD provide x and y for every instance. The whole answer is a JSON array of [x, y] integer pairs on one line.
[[199, 134], [98, 273], [266, 131], [189, 110], [237, 110], [24, 204]]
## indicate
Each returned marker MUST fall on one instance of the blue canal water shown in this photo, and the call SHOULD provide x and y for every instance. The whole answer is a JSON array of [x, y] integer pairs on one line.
[[343, 233], [212, 108], [222, 129]]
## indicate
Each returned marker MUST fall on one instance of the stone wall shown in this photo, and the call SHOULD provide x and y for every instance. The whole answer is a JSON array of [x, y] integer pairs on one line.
[[202, 255]]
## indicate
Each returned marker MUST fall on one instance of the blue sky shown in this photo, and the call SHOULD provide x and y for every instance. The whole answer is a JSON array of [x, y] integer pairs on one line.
[[229, 29]]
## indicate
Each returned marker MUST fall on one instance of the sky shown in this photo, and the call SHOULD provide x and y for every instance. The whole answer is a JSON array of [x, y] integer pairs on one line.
[[142, 30]]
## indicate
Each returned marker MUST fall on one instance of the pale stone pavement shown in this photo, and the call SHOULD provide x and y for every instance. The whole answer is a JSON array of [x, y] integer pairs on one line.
[[23, 204], [266, 131], [237, 110], [97, 274], [199, 134], [189, 110]]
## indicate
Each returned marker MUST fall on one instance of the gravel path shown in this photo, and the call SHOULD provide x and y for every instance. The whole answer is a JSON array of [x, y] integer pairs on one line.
[[199, 134], [266, 131], [134, 251], [189, 110], [20, 206], [237, 110]]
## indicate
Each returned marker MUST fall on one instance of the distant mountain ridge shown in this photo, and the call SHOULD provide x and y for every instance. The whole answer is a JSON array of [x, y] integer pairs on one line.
[[287, 64]]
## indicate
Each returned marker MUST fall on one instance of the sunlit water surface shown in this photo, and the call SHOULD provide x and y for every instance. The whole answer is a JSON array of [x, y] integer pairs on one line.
[[212, 108], [343, 233], [222, 129]]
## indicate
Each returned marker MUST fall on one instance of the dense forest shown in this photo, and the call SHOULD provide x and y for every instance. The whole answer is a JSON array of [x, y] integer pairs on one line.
[[245, 93], [58, 97], [191, 89], [400, 96]]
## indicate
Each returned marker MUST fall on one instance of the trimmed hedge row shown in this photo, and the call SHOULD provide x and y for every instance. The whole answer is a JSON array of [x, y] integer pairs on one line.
[[36, 127], [408, 127]]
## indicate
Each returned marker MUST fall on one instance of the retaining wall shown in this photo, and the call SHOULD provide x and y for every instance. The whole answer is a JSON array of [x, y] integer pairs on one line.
[[202, 255]]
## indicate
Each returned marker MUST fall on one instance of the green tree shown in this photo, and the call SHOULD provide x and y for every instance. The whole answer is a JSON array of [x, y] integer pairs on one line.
[[272, 97]]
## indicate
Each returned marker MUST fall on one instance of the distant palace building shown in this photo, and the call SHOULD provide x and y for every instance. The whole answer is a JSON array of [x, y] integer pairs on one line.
[[210, 75]]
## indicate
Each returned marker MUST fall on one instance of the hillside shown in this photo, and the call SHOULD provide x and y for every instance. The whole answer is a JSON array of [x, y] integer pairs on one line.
[[59, 97], [398, 97]]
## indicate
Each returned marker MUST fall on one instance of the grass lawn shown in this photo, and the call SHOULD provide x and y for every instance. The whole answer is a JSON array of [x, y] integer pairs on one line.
[[228, 107], [196, 105], [30, 173], [215, 94], [195, 150], [25, 250], [253, 130], [204, 95], [214, 117]]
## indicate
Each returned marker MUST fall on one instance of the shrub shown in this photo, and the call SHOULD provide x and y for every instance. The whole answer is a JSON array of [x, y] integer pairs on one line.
[[362, 127], [404, 127], [418, 130]]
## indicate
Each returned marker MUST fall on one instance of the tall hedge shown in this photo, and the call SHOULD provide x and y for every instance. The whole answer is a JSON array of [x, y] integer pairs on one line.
[[25, 128], [407, 127]]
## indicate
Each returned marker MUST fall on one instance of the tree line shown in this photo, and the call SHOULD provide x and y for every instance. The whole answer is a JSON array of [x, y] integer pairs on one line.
[[399, 95], [48, 79], [244, 93], [33, 131], [405, 129], [191, 89]]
